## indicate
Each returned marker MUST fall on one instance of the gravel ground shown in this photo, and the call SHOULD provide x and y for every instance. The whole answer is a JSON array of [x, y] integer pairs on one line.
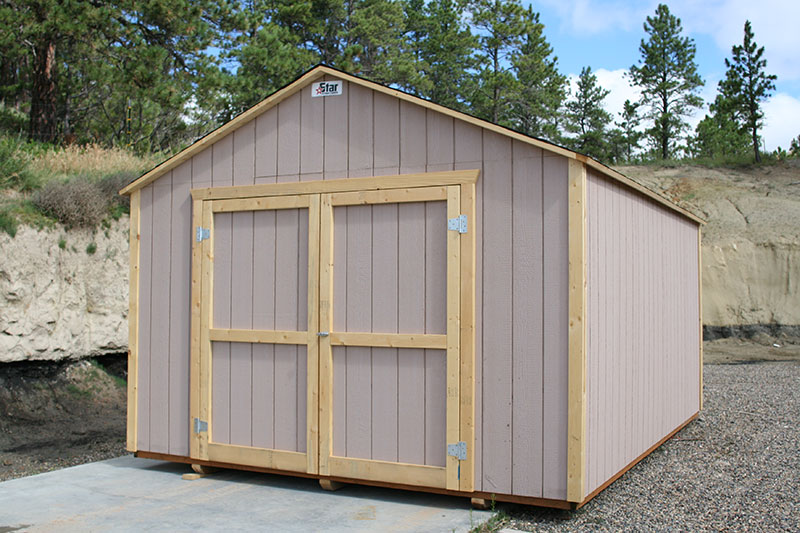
[[735, 468]]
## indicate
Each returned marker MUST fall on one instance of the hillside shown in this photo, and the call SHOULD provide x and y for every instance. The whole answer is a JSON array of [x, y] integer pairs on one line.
[[751, 244]]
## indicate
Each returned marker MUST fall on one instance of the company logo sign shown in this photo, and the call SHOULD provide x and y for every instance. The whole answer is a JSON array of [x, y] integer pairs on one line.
[[326, 88]]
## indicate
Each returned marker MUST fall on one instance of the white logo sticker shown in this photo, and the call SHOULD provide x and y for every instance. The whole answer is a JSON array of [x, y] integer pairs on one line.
[[326, 88]]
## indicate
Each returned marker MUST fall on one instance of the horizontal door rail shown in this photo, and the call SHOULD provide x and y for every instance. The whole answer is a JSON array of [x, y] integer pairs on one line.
[[401, 181], [403, 473], [389, 340], [266, 458], [260, 204], [390, 196], [258, 336]]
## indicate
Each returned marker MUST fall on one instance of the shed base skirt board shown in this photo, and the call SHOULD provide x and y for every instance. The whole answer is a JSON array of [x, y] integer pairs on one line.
[[510, 498], [636, 461]]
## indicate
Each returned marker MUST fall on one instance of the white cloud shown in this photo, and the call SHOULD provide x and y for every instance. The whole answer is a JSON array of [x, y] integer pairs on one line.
[[781, 121], [774, 23]]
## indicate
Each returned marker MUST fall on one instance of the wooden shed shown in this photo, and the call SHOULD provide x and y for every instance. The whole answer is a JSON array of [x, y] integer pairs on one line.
[[350, 283]]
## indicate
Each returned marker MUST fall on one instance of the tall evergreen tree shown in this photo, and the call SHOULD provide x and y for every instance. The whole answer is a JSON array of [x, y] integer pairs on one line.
[[586, 117], [668, 78], [628, 126], [540, 89], [443, 47], [746, 85], [501, 27]]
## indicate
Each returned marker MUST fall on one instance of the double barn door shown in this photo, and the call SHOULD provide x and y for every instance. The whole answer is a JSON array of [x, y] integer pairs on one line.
[[332, 328]]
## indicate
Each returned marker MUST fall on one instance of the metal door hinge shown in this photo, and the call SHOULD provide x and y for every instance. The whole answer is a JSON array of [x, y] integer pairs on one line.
[[200, 425], [458, 224], [458, 450], [323, 334], [202, 233]]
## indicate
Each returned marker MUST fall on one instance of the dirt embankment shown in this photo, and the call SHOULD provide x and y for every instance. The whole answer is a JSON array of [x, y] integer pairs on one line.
[[54, 415]]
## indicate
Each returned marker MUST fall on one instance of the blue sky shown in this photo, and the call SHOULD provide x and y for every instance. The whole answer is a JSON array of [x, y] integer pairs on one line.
[[605, 34]]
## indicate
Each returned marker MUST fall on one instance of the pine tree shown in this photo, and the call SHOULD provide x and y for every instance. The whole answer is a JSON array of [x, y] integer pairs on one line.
[[668, 78], [540, 89], [501, 27], [586, 117], [628, 125], [746, 85], [443, 47]]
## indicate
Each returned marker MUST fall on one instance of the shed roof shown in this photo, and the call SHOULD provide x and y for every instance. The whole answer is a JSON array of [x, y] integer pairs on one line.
[[321, 70]]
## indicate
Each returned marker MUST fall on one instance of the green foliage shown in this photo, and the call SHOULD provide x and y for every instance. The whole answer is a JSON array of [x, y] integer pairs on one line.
[[8, 222], [794, 147], [667, 76], [586, 118], [540, 90], [501, 27], [91, 248], [443, 47], [62, 243]]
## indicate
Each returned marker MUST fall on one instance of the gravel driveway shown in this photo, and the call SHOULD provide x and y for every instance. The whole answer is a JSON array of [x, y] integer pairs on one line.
[[736, 468]]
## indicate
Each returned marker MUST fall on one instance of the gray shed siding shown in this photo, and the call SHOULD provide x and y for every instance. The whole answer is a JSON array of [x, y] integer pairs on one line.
[[521, 299], [643, 332]]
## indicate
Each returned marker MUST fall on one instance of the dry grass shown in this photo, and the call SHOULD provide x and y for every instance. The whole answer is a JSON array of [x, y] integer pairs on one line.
[[91, 160]]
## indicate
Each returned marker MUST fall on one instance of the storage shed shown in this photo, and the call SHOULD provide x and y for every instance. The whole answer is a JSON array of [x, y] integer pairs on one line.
[[350, 283]]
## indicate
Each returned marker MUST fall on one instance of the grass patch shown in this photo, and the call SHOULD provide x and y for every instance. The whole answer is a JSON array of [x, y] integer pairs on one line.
[[62, 243], [8, 223], [91, 249]]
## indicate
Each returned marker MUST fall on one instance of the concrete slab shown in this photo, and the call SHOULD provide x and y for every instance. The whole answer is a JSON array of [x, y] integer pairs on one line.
[[130, 494]]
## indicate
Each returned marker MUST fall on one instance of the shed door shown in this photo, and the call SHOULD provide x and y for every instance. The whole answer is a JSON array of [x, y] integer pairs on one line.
[[258, 347], [389, 354]]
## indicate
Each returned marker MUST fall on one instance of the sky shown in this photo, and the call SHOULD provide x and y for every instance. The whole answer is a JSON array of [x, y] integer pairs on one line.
[[605, 35]]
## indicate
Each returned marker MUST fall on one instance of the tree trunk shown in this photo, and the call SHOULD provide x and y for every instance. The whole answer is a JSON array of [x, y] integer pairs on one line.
[[43, 98], [755, 145]]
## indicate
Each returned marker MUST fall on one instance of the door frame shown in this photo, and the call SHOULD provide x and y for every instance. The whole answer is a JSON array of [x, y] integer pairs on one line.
[[321, 196]]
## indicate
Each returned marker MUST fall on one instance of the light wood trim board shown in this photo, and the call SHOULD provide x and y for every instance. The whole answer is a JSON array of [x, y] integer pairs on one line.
[[325, 324], [406, 474], [389, 340], [576, 395], [467, 340], [133, 322], [258, 336], [194, 350]]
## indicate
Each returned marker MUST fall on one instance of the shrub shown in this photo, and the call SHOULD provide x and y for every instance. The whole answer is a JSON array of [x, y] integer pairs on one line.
[[13, 165], [91, 249], [111, 184], [74, 203], [8, 223]]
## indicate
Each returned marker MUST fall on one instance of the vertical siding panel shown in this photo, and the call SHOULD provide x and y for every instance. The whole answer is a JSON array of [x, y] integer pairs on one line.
[[411, 363], [241, 318], [441, 142], [468, 155], [180, 306], [221, 351], [336, 135], [288, 274], [435, 323], [387, 134], [221, 175], [527, 315], [289, 138], [244, 154], [412, 138], [201, 168], [266, 141], [497, 305], [359, 361], [360, 143], [160, 326], [145, 317], [312, 113], [301, 352], [556, 248], [263, 318], [384, 319], [340, 246]]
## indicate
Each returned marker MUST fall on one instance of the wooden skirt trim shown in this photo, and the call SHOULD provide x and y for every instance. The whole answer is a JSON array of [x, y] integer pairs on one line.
[[509, 498], [633, 463]]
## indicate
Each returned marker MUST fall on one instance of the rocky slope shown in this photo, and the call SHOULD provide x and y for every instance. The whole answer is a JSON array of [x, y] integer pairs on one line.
[[63, 294]]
